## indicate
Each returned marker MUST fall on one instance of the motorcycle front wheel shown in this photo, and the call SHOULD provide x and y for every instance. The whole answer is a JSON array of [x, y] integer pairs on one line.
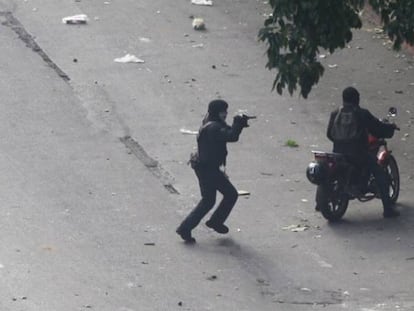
[[394, 179], [331, 201]]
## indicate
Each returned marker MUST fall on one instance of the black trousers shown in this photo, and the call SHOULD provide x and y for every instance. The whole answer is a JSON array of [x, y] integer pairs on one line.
[[211, 180]]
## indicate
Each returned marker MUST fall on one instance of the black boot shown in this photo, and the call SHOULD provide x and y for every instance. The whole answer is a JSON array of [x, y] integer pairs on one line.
[[219, 228], [185, 234]]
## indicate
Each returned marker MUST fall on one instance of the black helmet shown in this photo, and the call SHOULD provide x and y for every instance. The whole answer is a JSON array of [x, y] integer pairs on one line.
[[316, 172]]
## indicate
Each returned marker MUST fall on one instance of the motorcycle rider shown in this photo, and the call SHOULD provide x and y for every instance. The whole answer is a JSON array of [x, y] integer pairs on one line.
[[357, 150], [212, 138]]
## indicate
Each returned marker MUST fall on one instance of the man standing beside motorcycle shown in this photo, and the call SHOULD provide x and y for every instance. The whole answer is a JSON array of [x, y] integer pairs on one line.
[[348, 129]]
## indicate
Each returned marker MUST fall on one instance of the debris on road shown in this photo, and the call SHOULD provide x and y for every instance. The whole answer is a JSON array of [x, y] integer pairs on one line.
[[200, 45], [304, 200], [198, 24], [188, 132], [296, 228], [333, 66], [202, 2], [243, 192], [129, 58], [145, 40], [305, 289], [75, 19], [149, 244], [212, 278]]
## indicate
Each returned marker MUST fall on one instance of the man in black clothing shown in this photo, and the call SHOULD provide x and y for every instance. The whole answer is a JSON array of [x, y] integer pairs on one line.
[[357, 150], [212, 138]]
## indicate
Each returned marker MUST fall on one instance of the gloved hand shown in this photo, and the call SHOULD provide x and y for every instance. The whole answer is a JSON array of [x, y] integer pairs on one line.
[[241, 120]]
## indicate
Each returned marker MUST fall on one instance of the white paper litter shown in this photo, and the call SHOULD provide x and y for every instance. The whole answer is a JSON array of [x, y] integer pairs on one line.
[[202, 2], [145, 40], [129, 58], [75, 19], [188, 132], [243, 192], [198, 24], [296, 228]]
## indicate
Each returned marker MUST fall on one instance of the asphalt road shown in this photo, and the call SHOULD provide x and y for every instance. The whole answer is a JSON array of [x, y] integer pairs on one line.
[[94, 177]]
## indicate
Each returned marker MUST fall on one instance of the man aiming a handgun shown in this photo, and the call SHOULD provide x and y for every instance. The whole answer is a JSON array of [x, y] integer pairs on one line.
[[207, 163]]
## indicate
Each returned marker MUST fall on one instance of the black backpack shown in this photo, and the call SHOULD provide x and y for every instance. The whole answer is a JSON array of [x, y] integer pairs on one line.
[[346, 126]]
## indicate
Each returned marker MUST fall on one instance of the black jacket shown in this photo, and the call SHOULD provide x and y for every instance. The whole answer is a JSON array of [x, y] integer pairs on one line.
[[212, 139], [368, 124]]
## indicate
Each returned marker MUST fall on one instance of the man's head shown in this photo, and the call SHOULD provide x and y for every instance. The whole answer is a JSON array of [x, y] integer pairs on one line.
[[350, 96], [217, 109]]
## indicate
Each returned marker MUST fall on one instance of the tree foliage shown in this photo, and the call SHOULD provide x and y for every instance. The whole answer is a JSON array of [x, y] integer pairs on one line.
[[298, 29]]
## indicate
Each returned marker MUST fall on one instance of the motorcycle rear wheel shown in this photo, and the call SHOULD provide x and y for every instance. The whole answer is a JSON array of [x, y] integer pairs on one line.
[[332, 202], [394, 179]]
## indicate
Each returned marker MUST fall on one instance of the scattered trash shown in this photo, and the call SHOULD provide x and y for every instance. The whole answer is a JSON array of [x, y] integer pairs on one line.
[[149, 244], [202, 2], [304, 200], [214, 67], [180, 303], [266, 174], [212, 278], [322, 56], [1, 266], [296, 228], [75, 19], [145, 40], [200, 45], [243, 192], [75, 60], [398, 92], [346, 293], [188, 132], [409, 258], [333, 66], [262, 282], [198, 24], [238, 230], [128, 58], [144, 262], [305, 289]]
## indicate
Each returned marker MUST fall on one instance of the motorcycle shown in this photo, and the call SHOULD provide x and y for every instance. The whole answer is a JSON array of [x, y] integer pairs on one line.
[[340, 181]]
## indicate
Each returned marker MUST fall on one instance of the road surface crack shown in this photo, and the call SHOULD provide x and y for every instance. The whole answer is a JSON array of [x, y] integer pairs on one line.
[[8, 20], [152, 165]]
